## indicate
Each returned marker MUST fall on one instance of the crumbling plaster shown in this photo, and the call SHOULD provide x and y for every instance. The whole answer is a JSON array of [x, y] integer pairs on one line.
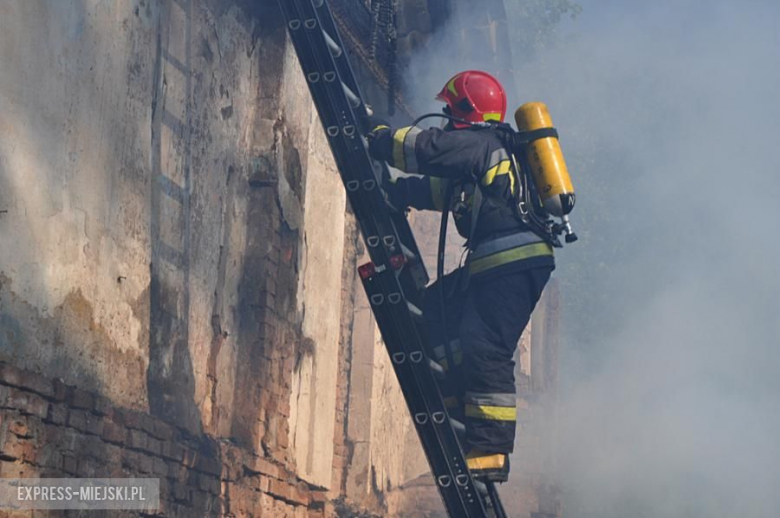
[[75, 240], [133, 136], [175, 232]]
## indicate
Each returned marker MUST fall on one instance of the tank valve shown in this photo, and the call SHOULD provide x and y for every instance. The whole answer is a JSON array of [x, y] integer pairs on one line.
[[570, 236]]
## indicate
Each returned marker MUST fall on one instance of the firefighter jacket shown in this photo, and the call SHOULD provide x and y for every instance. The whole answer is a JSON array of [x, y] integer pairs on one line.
[[463, 160]]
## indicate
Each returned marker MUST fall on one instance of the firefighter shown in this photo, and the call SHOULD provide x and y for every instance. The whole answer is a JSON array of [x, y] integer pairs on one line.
[[489, 300]]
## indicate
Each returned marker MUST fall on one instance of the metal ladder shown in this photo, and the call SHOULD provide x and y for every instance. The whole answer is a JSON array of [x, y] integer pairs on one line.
[[395, 278]]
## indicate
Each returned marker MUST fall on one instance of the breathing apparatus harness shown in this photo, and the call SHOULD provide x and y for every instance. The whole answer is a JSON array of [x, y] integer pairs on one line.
[[527, 208]]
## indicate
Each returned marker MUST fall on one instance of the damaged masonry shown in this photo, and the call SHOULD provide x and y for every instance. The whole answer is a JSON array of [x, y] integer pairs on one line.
[[179, 288]]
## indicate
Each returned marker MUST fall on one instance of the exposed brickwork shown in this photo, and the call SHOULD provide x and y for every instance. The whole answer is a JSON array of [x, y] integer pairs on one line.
[[48, 429]]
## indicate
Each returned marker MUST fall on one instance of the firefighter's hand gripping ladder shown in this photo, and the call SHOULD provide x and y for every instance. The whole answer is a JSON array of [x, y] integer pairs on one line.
[[395, 278]]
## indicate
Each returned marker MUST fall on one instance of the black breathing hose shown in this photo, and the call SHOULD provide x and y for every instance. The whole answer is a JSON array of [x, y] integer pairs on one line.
[[451, 118]]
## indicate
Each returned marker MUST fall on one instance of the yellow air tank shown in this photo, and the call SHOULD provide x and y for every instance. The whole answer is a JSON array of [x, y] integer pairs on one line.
[[548, 168]]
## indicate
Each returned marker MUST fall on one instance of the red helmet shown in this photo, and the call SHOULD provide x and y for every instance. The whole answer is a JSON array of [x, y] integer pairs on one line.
[[474, 96]]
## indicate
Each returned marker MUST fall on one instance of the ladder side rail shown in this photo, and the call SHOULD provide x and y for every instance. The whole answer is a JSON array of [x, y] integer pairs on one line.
[[351, 155], [379, 257], [415, 398], [439, 421], [346, 73], [328, 23], [346, 119], [386, 241], [350, 159], [346, 142], [331, 117]]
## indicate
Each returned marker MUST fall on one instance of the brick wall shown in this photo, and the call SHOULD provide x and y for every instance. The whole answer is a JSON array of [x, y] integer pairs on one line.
[[172, 311], [49, 429]]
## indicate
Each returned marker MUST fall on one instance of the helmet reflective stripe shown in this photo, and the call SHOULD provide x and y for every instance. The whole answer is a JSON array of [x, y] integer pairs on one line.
[[451, 86]]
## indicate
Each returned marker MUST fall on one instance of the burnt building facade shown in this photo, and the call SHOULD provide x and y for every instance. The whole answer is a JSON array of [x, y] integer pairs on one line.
[[178, 294]]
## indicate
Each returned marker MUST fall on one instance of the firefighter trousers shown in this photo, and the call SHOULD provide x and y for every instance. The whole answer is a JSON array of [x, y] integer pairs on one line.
[[474, 327]]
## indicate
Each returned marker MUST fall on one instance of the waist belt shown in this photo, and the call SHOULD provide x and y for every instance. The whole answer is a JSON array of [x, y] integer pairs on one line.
[[507, 249], [503, 243]]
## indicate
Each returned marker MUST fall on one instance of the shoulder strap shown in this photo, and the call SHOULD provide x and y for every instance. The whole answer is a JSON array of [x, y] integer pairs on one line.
[[445, 215], [476, 208]]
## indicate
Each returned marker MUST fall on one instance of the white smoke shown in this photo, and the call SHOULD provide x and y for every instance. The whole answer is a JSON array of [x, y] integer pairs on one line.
[[669, 117]]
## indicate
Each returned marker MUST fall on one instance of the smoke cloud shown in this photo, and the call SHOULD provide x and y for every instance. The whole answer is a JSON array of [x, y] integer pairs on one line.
[[671, 396], [669, 117]]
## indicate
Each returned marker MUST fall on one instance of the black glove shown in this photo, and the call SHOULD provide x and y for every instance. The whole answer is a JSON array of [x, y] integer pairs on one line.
[[380, 139], [394, 194], [375, 123]]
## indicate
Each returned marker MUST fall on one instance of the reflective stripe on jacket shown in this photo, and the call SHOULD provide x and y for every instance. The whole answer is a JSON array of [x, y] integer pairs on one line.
[[507, 249]]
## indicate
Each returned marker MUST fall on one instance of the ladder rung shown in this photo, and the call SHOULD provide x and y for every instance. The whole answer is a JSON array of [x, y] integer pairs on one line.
[[335, 50], [436, 368], [408, 254], [415, 311], [459, 427], [353, 99]]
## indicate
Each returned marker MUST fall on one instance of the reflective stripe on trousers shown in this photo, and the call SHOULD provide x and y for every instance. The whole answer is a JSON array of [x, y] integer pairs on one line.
[[491, 406]]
